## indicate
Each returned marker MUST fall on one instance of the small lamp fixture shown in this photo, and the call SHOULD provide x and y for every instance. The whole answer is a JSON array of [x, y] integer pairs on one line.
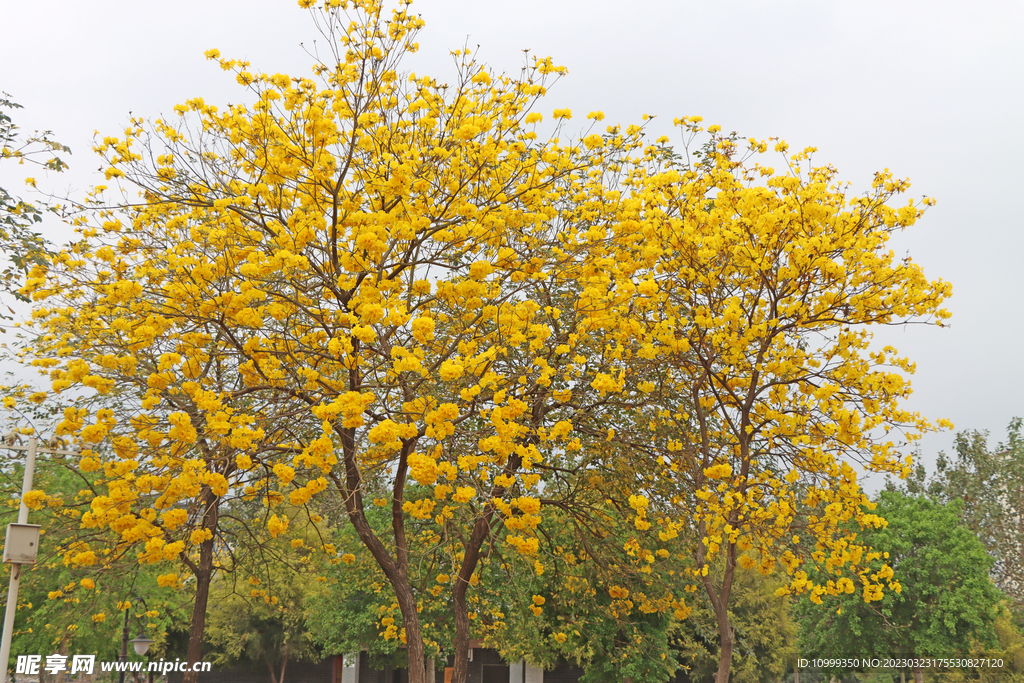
[[141, 644]]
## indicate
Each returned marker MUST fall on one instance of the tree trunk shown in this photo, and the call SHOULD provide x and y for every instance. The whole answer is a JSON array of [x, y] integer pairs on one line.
[[413, 633], [203, 573], [270, 665], [63, 649], [395, 568], [720, 601], [431, 670], [481, 532], [460, 607], [918, 675], [725, 634], [460, 670]]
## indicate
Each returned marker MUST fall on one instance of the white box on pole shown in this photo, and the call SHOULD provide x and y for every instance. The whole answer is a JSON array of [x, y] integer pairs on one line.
[[22, 544]]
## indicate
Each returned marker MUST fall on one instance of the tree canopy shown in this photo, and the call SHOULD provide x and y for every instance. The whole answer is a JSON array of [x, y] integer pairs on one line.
[[20, 244], [478, 339], [941, 595], [989, 483]]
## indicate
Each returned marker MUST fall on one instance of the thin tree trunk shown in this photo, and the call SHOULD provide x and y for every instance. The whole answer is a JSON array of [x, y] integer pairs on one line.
[[482, 530], [203, 573], [720, 602], [270, 665], [431, 670], [413, 633], [63, 649], [460, 607], [918, 675], [395, 568], [725, 635]]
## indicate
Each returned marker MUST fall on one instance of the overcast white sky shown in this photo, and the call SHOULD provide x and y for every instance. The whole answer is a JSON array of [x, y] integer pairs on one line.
[[932, 90]]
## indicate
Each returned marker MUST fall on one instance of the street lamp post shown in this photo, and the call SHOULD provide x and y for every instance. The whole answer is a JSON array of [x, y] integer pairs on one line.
[[140, 643], [123, 659], [12, 591]]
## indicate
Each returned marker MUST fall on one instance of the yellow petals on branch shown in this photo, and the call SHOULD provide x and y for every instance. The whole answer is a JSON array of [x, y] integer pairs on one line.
[[34, 499], [719, 471], [277, 525], [285, 473], [464, 494], [172, 519], [168, 580], [526, 546]]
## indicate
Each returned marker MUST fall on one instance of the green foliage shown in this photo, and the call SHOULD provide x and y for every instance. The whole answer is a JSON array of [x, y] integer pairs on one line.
[[63, 607], [766, 634], [266, 624], [359, 607], [1008, 647], [594, 596], [941, 596], [259, 603], [990, 484], [583, 597], [19, 242]]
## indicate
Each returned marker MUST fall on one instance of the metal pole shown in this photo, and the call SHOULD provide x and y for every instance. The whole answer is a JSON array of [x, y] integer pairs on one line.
[[12, 590], [124, 645]]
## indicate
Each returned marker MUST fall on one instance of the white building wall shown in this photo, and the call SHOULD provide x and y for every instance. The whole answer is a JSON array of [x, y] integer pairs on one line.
[[533, 674], [350, 669]]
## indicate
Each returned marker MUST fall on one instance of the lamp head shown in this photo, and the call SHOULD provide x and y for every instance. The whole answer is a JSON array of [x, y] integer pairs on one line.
[[141, 644]]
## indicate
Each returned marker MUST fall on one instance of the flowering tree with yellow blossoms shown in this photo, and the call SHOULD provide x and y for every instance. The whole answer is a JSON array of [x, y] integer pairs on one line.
[[170, 436], [390, 286], [64, 606], [752, 290], [358, 283]]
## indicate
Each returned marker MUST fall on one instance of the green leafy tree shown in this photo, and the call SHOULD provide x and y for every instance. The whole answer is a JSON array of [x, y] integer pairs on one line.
[[79, 607], [603, 601], [941, 595], [22, 246], [264, 620], [765, 632], [591, 594], [990, 484], [359, 605]]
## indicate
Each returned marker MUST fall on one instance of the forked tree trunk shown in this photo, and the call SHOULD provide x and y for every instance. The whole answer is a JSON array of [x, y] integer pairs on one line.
[[396, 567], [481, 532], [274, 677]]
